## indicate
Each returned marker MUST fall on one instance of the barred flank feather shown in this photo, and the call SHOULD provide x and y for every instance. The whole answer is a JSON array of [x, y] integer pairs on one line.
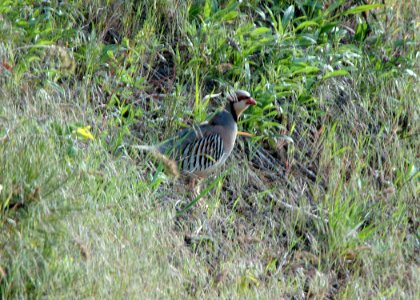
[[202, 153]]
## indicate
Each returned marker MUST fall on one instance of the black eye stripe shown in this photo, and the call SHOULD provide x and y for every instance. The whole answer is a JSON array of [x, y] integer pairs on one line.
[[242, 98]]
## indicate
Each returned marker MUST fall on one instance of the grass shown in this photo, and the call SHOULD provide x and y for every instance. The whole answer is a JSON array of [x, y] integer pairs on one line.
[[321, 203]]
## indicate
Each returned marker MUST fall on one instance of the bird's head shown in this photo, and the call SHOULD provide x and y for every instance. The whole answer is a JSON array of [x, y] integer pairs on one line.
[[239, 101]]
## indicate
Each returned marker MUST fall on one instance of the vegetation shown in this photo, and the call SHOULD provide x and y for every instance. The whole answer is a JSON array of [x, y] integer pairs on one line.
[[322, 201]]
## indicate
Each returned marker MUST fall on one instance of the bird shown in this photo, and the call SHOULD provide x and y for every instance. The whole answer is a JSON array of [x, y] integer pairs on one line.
[[196, 152]]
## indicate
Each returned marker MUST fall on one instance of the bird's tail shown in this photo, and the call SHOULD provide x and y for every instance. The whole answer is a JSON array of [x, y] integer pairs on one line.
[[169, 164], [145, 148]]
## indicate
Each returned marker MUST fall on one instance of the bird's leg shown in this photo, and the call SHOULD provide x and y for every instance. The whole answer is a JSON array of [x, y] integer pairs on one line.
[[194, 186], [195, 189]]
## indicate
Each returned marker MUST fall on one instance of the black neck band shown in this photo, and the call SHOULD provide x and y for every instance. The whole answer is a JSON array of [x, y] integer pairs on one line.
[[233, 112]]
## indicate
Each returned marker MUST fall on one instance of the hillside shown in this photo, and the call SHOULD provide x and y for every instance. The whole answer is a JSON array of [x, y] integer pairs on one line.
[[319, 200]]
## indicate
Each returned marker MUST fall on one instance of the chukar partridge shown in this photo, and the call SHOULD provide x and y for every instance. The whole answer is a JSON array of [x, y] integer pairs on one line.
[[195, 152]]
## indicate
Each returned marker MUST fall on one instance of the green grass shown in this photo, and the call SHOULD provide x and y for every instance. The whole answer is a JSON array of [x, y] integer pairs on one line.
[[321, 203]]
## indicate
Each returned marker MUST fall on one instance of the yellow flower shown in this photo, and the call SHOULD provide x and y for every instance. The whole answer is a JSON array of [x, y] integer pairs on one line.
[[84, 132]]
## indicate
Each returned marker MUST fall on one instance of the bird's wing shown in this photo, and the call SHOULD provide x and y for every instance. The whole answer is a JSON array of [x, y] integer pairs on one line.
[[173, 145], [195, 149]]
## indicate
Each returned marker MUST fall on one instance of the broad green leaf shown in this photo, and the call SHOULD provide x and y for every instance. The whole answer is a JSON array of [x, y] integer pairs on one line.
[[361, 31], [21, 23], [361, 8], [266, 40], [335, 73], [271, 113], [306, 24], [229, 13], [32, 58], [275, 22], [306, 70], [288, 15], [207, 9], [6, 6], [267, 124], [258, 31], [247, 27], [44, 42], [283, 94], [230, 16], [280, 26], [306, 39]]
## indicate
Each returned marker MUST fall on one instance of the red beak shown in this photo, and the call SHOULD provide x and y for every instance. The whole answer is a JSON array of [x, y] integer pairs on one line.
[[251, 101]]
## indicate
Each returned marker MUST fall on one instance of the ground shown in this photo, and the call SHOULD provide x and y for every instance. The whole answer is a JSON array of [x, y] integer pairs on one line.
[[320, 202]]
